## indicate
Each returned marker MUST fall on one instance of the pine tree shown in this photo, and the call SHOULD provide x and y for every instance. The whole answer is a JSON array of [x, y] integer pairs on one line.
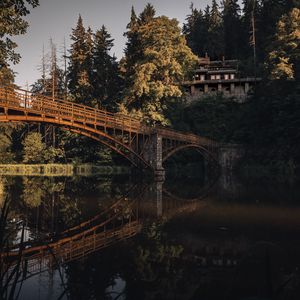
[[215, 45], [105, 73], [79, 68], [232, 25], [132, 50], [195, 31], [147, 14], [89, 59], [249, 36]]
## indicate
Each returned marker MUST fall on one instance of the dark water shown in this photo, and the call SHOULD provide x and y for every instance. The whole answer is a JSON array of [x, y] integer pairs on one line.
[[113, 238]]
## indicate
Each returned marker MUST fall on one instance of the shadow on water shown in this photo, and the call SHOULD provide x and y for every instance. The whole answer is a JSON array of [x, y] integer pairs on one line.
[[100, 238]]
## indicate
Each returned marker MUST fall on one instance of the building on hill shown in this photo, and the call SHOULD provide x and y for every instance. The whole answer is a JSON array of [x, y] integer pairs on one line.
[[222, 76]]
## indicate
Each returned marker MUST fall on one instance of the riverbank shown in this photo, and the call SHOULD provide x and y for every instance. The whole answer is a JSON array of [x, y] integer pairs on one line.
[[60, 170]]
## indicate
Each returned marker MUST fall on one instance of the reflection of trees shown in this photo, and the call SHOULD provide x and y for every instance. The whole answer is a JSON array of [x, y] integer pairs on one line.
[[33, 192], [35, 189], [154, 258], [11, 276], [53, 204], [2, 192]]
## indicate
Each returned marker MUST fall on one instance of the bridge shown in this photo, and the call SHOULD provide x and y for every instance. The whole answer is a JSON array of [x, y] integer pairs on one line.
[[146, 147]]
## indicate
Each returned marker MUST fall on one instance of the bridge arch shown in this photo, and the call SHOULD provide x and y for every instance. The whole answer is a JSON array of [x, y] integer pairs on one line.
[[202, 150], [100, 136]]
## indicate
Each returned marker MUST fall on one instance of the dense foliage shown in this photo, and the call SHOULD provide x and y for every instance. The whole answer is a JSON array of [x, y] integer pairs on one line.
[[164, 62], [12, 22]]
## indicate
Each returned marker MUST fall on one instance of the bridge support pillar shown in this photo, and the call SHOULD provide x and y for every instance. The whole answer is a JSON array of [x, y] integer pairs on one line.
[[153, 155], [229, 155], [152, 204]]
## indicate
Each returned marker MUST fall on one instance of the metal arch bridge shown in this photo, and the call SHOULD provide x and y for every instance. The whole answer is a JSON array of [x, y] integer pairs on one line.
[[144, 146]]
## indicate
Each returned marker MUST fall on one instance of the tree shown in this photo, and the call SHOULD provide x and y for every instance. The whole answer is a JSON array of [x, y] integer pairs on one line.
[[195, 30], [166, 61], [132, 50], [8, 142], [89, 61], [106, 83], [6, 155], [270, 13], [12, 13], [33, 192], [34, 149], [232, 25], [79, 68], [284, 58], [147, 14], [215, 47]]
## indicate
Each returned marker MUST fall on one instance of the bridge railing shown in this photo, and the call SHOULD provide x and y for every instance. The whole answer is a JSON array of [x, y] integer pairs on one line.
[[45, 106], [186, 136], [36, 103]]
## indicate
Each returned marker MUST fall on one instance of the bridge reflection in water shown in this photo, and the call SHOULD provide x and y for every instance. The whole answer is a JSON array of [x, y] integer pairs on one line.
[[122, 220]]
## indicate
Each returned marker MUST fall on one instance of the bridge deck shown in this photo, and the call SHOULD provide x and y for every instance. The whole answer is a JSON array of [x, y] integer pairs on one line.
[[19, 105]]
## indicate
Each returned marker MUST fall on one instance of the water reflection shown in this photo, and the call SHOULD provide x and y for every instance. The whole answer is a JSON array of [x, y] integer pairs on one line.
[[96, 238]]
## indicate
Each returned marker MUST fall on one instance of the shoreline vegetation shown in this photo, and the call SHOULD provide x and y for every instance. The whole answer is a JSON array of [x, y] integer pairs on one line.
[[63, 170]]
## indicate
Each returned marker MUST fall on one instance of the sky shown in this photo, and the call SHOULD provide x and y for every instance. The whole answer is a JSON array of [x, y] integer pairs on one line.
[[56, 18]]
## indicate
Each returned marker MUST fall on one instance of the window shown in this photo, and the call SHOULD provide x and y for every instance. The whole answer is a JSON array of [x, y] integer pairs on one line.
[[226, 76], [231, 76], [218, 77], [212, 77], [202, 77]]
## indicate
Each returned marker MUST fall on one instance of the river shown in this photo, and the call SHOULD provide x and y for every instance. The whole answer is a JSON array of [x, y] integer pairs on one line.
[[116, 238]]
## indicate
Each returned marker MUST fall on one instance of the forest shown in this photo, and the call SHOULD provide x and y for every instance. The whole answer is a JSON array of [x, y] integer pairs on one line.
[[145, 83]]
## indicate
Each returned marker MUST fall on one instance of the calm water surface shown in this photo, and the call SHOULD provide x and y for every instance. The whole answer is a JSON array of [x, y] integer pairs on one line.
[[113, 238]]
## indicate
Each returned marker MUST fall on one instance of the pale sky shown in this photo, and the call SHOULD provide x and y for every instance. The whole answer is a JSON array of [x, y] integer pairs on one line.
[[55, 18]]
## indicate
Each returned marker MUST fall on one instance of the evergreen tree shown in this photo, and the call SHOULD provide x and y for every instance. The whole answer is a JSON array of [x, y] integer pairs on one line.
[[89, 60], [215, 46], [166, 60], [79, 68], [249, 39], [206, 22], [132, 50], [105, 77], [232, 25], [284, 58], [270, 13], [147, 14], [195, 31]]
